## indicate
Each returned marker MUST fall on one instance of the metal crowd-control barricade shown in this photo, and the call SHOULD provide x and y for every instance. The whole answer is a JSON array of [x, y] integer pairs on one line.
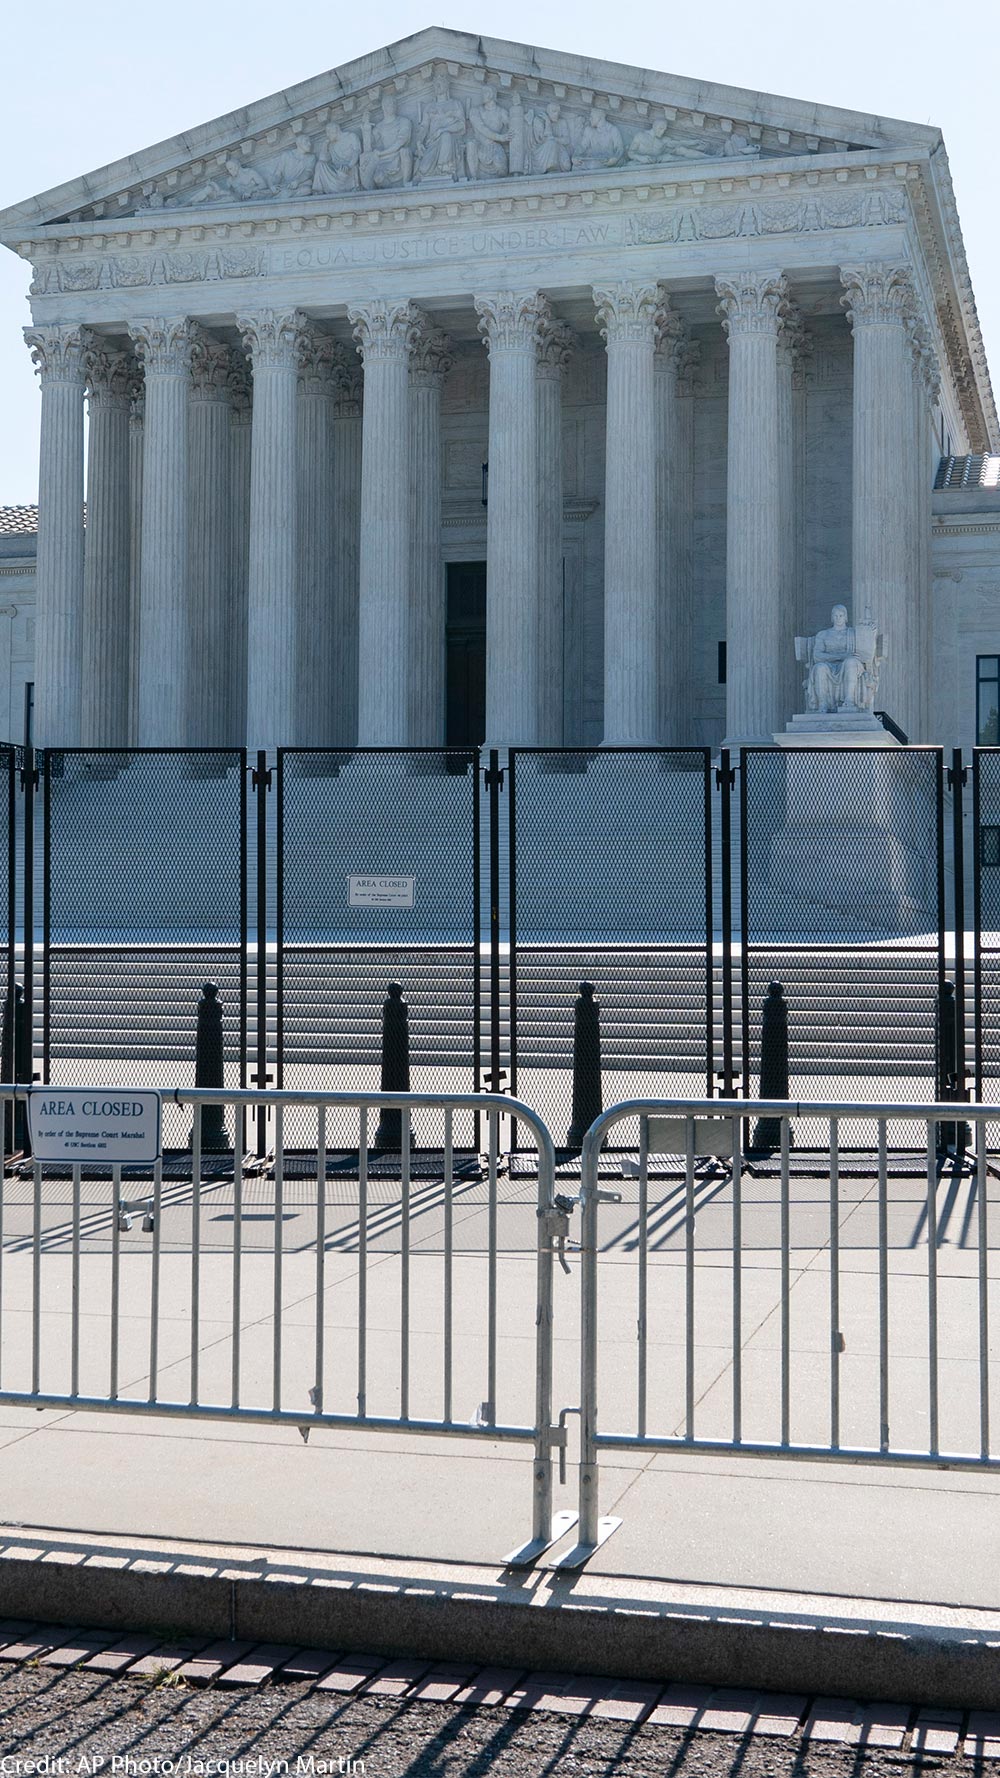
[[897, 1205], [45, 1220]]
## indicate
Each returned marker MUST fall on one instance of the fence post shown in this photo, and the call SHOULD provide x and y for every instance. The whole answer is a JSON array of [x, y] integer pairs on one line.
[[773, 1067], [209, 1069], [395, 1064], [587, 1098]]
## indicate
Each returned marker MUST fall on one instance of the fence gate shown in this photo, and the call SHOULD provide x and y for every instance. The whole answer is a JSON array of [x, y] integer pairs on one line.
[[610, 881], [842, 902], [143, 900], [377, 881]]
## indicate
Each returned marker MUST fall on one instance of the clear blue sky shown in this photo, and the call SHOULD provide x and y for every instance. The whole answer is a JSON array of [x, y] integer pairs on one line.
[[84, 85]]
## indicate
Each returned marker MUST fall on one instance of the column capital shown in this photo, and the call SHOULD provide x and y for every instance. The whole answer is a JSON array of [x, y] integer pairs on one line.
[[431, 355], [59, 353], [509, 319], [556, 344], [271, 338], [627, 312], [113, 379], [384, 329], [163, 347], [320, 361], [751, 302], [877, 294], [209, 368]]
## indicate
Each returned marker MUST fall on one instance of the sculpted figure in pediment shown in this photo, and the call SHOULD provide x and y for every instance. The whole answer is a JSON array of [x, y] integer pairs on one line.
[[600, 144], [738, 144], [387, 155], [238, 181], [291, 174], [551, 143], [487, 151], [338, 162], [442, 150]]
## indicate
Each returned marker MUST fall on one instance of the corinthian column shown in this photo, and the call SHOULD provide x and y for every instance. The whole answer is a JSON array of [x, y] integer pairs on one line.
[[58, 354], [793, 344], [627, 316], [430, 362], [555, 348], [347, 428], [271, 339], [136, 426], [879, 302], [240, 418], [674, 367], [508, 321], [209, 714], [319, 362], [384, 331], [164, 348], [106, 651], [750, 304]]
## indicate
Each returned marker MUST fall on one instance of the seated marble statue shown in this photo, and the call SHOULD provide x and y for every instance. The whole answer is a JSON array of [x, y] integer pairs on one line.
[[842, 665]]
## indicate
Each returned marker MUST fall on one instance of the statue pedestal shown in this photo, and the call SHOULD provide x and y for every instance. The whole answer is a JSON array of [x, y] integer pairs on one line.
[[840, 728]]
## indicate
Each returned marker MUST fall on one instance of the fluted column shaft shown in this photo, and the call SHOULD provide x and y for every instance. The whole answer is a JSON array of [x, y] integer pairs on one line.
[[58, 353], [627, 316], [319, 361], [347, 431], [674, 366], [430, 361], [271, 339], [240, 418], [750, 304], [509, 321], [384, 331], [792, 344], [106, 645], [165, 350], [879, 302], [209, 711], [136, 426], [555, 346]]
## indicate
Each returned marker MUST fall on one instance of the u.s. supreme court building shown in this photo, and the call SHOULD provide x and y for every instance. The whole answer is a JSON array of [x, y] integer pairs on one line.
[[475, 391]]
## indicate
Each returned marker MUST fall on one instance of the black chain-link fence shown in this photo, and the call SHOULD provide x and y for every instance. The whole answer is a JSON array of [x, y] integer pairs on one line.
[[377, 883], [610, 867], [842, 904], [144, 900]]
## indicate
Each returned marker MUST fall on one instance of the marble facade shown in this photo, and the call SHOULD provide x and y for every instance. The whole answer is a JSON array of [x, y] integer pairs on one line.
[[710, 343]]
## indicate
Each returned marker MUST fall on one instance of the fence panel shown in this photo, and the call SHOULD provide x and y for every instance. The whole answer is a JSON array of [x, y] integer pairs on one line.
[[842, 902], [144, 899], [610, 882], [378, 882]]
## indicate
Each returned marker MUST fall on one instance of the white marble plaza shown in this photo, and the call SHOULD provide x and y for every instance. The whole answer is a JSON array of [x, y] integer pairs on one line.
[[710, 343]]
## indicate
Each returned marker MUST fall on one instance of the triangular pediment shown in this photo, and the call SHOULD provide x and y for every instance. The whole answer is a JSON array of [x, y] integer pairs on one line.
[[445, 108]]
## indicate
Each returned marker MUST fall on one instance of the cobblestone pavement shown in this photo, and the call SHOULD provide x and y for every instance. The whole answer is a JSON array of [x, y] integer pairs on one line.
[[75, 1702]]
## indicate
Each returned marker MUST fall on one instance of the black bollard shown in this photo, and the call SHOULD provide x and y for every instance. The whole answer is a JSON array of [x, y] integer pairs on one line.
[[773, 1068], [208, 1069], [588, 1102], [395, 1065]]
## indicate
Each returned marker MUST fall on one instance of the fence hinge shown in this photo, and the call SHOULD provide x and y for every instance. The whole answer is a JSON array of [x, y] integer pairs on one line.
[[725, 780], [952, 777], [29, 775], [491, 778], [259, 778], [493, 1080]]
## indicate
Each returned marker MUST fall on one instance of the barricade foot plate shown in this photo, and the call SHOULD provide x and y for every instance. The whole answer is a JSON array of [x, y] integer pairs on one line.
[[528, 1553], [581, 1553]]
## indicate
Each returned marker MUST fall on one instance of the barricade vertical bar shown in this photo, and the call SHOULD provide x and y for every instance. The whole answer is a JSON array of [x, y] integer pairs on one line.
[[154, 1288], [320, 1251], [980, 1177], [449, 1206], [957, 779], [834, 1282], [883, 1284], [737, 1281], [932, 1303], [260, 1078], [589, 1476], [363, 1262], [643, 1261], [116, 1241], [491, 1261], [74, 1386], [542, 1508], [36, 1280], [404, 1280], [279, 1211], [785, 1288], [689, 1277], [195, 1250]]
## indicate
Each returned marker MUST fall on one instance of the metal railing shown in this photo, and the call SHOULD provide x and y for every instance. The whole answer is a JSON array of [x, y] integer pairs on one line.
[[182, 1199], [715, 1177]]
